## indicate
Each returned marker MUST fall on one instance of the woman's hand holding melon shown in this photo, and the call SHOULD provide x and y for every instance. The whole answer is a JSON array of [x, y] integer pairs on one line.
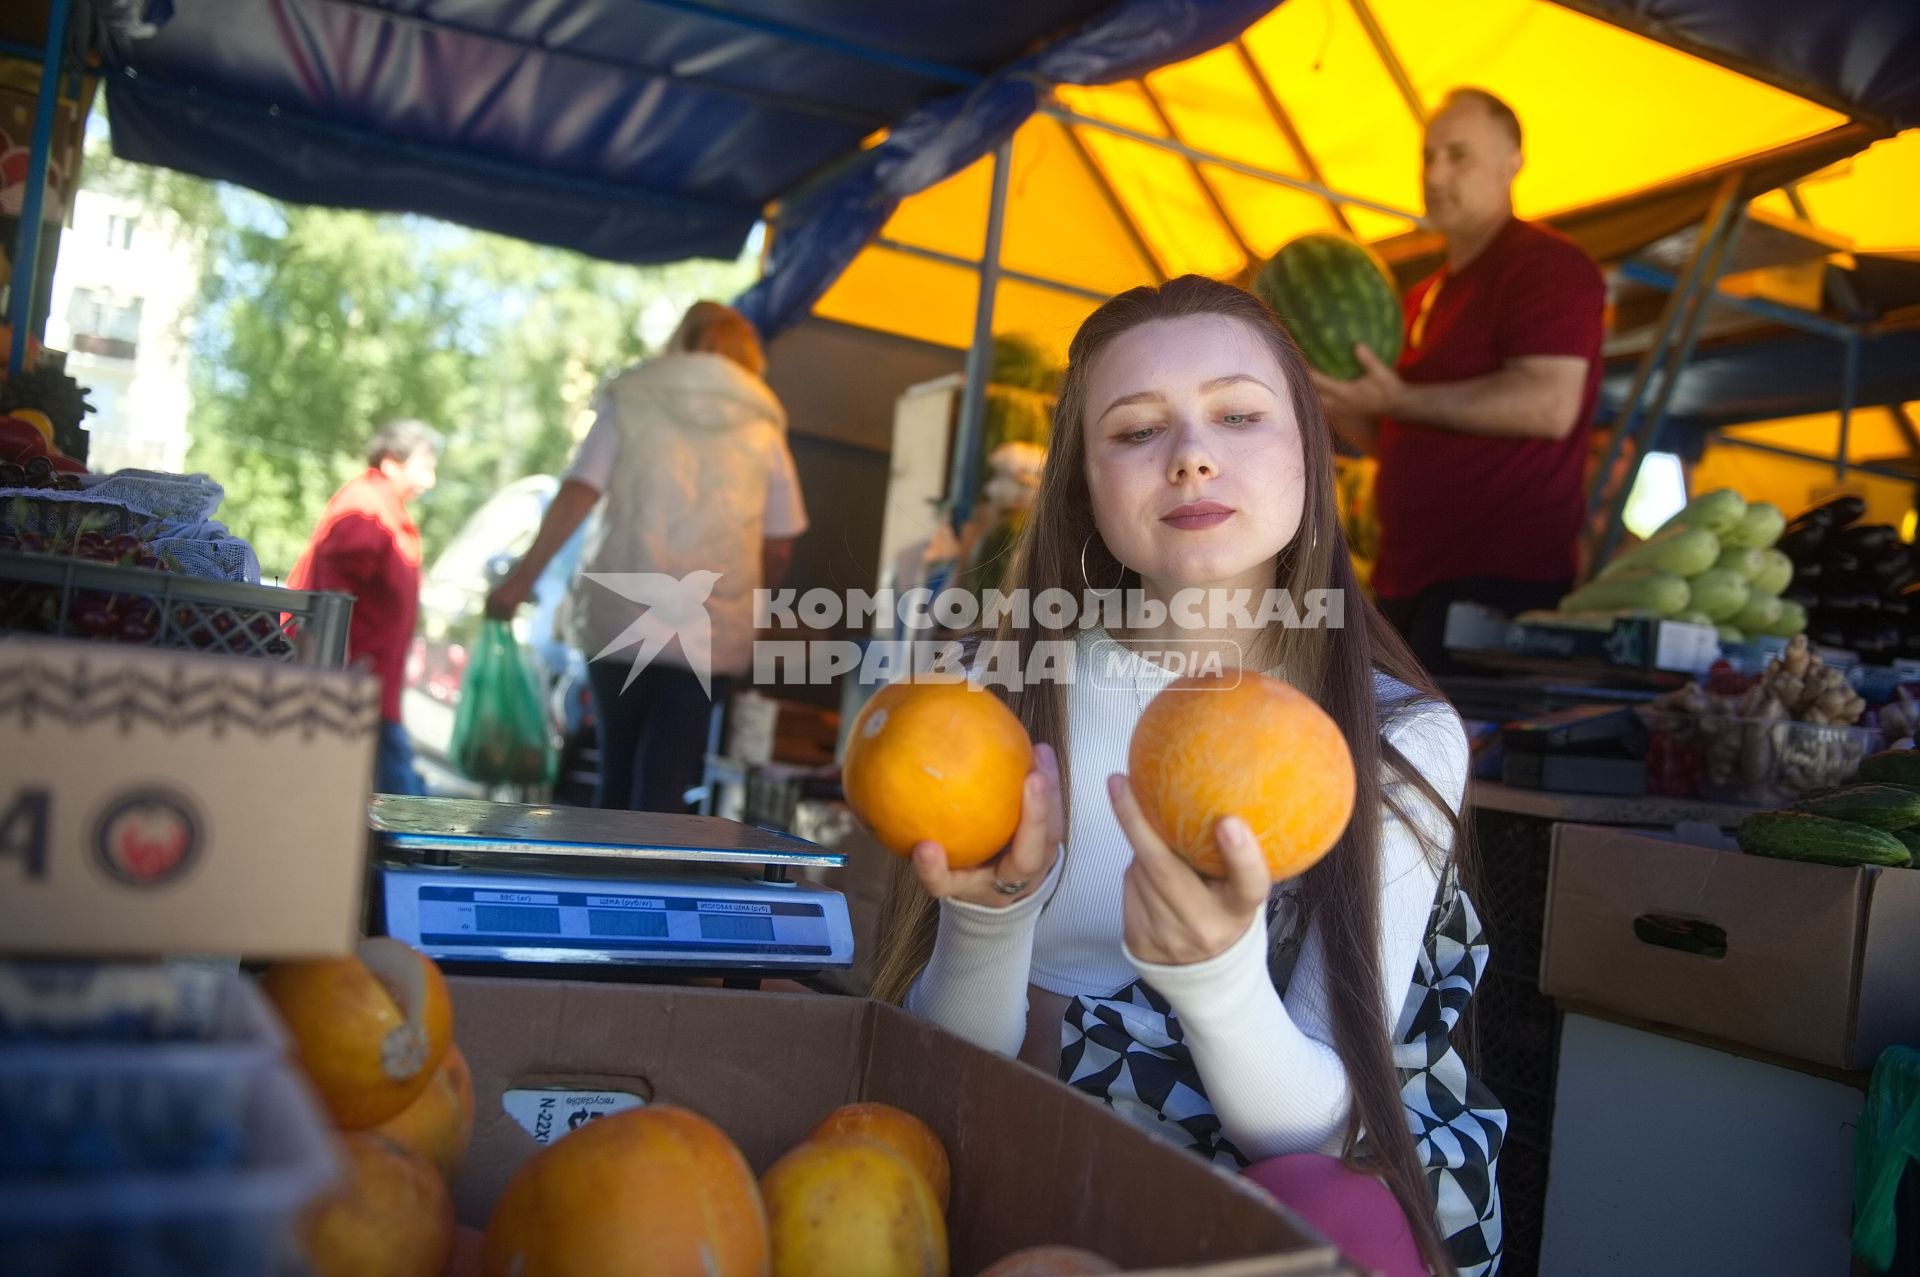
[[1028, 858], [1172, 915]]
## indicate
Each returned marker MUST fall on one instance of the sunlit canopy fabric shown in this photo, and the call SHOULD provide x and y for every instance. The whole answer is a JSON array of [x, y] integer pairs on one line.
[[1307, 94], [1873, 438], [643, 130], [1872, 198]]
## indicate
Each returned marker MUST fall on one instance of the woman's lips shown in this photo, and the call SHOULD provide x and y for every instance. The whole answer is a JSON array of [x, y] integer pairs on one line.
[[1198, 515]]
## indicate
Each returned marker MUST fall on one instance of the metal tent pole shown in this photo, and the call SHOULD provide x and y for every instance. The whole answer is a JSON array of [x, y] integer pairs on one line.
[[1056, 112], [1698, 305], [964, 472], [26, 254], [1678, 298], [1849, 389]]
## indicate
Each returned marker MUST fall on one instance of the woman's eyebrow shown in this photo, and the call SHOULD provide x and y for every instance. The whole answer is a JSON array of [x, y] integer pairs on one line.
[[1232, 378], [1138, 396], [1154, 396]]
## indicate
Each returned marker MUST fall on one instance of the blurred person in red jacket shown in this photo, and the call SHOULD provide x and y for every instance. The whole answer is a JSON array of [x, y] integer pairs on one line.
[[367, 546]]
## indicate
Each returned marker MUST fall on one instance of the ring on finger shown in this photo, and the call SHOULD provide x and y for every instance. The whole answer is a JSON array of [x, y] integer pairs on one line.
[[1013, 888]]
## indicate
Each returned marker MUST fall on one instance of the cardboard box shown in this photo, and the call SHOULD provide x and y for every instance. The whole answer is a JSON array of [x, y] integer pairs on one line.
[[1033, 1160], [158, 802], [1814, 962]]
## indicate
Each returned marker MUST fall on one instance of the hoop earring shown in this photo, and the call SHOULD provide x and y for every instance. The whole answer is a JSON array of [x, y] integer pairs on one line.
[[1086, 581]]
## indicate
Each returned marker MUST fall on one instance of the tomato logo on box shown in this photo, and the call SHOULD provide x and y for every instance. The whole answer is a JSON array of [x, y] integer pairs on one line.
[[148, 838]]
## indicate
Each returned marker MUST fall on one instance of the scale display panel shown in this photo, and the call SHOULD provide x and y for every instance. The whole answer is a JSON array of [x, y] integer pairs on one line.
[[466, 914]]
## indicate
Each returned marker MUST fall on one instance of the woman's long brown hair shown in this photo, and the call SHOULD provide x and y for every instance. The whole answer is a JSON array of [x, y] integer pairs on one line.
[[1341, 895]]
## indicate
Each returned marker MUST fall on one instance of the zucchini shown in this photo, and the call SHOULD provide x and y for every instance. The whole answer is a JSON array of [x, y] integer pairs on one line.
[[1888, 807], [1758, 527], [1716, 511], [1892, 767], [1681, 550], [1775, 574], [1760, 615], [1743, 562], [1719, 592], [1791, 621], [1799, 835], [1662, 593]]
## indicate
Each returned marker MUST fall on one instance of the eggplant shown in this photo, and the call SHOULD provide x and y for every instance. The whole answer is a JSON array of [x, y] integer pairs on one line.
[[1819, 516], [1867, 539], [1802, 545], [1839, 511], [1841, 562]]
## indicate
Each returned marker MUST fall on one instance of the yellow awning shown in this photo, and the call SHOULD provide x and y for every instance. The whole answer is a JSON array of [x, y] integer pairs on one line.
[[1792, 484], [1306, 94]]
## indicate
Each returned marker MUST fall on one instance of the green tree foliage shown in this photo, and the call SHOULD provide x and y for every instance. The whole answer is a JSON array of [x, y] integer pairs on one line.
[[315, 325]]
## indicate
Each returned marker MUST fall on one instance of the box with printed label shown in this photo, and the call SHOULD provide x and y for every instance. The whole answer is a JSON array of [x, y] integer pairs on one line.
[[156, 802], [1034, 1161]]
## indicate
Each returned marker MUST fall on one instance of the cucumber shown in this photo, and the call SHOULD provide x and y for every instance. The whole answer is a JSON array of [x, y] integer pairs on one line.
[[1888, 807], [1799, 835], [1892, 767], [1910, 837]]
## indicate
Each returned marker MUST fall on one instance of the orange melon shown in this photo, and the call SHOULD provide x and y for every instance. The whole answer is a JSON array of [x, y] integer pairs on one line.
[[850, 1207], [439, 1122], [1209, 746], [1051, 1261], [652, 1192], [899, 1130], [392, 1218], [937, 759], [370, 1030]]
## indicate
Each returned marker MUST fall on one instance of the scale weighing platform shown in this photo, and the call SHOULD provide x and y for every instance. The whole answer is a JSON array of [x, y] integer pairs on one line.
[[531, 890]]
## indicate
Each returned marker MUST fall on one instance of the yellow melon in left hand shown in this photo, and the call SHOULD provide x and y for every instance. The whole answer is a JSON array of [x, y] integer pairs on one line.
[[937, 759], [1242, 744]]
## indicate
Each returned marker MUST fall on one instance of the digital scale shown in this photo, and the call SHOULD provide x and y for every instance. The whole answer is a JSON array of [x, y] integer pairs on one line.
[[565, 890]]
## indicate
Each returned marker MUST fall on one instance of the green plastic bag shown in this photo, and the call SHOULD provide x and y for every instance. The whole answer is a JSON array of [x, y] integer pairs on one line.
[[500, 730], [1889, 1138]]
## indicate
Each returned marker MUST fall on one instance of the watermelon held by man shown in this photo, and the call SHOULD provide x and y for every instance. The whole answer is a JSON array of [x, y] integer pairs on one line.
[[1333, 292]]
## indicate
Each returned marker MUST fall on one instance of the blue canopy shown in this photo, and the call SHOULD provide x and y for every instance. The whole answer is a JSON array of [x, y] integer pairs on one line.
[[652, 130]]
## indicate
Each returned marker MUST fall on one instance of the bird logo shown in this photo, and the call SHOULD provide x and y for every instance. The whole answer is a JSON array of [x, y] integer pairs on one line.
[[676, 607]]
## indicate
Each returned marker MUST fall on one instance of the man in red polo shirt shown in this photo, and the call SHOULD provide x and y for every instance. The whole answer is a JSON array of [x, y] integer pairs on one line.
[[367, 546], [1481, 432]]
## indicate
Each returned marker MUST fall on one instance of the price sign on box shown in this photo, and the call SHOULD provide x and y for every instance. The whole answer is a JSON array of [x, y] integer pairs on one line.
[[156, 802]]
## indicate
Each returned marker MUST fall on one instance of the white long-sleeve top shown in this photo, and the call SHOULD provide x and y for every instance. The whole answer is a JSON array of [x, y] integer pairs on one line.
[[1268, 1063]]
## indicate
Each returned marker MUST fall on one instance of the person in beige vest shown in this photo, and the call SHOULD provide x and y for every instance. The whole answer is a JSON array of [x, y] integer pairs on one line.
[[702, 506]]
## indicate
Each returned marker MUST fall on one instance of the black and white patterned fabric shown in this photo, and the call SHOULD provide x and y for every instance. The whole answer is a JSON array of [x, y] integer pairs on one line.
[[1129, 1051]]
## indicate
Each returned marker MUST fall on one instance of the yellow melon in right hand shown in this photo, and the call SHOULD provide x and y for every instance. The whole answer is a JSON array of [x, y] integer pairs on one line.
[[937, 759]]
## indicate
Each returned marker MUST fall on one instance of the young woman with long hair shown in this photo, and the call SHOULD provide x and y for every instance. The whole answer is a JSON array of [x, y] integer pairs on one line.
[[1299, 1029]]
